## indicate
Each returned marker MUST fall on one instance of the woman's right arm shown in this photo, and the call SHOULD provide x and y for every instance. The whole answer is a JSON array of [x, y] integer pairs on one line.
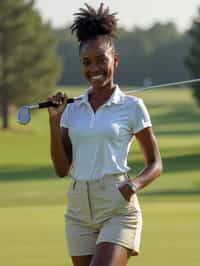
[[61, 147]]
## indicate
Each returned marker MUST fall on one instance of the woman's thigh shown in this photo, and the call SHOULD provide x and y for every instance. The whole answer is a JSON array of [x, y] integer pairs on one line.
[[110, 254], [81, 260]]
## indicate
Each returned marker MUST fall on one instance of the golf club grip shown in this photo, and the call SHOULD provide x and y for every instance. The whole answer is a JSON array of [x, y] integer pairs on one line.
[[50, 104]]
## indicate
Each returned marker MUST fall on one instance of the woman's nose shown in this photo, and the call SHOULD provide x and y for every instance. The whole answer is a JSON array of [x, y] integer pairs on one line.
[[93, 68]]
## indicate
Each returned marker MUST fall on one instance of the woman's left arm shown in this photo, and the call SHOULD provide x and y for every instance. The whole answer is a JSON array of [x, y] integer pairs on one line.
[[152, 158]]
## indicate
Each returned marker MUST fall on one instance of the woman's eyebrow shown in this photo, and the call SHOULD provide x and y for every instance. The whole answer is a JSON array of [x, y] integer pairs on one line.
[[97, 56], [101, 55]]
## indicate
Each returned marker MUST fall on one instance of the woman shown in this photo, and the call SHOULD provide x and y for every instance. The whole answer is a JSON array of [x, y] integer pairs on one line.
[[91, 139]]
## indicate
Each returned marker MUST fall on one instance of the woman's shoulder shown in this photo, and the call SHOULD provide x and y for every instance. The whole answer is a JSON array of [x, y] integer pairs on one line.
[[132, 100]]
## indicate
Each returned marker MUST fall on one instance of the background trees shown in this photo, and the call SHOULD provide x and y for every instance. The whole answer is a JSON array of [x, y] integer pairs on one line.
[[193, 58], [156, 53], [31, 53], [28, 63]]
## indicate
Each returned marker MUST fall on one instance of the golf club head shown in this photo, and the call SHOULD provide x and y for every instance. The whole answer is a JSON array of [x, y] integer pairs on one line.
[[23, 116]]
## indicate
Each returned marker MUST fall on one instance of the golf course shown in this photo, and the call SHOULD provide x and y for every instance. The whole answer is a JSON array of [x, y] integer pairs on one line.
[[33, 199]]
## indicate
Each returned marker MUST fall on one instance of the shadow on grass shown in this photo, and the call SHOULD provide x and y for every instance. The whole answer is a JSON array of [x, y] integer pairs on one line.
[[170, 165], [170, 193], [185, 162], [178, 132], [178, 115], [173, 164], [17, 173]]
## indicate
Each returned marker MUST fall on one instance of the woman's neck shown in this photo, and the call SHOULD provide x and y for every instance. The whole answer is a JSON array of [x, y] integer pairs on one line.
[[102, 94], [98, 97]]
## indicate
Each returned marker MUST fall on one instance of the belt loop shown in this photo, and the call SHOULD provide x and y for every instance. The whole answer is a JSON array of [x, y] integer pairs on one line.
[[74, 185]]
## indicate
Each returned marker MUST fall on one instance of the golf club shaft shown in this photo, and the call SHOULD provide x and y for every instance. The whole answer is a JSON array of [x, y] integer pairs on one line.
[[164, 85], [71, 100], [50, 104]]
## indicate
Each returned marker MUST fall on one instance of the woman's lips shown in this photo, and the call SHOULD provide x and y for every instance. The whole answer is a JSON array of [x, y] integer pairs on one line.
[[96, 77]]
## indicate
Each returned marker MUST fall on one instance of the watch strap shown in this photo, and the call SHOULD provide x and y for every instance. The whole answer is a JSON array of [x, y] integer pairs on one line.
[[132, 186]]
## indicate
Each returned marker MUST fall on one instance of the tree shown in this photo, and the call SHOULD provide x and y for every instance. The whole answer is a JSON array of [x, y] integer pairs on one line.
[[156, 53], [67, 49], [193, 59], [28, 63]]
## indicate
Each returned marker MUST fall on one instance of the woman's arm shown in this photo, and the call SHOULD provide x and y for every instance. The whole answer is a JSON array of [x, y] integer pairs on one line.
[[61, 147], [152, 159]]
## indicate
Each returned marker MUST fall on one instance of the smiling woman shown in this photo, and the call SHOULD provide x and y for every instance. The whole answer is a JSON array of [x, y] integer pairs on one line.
[[99, 61], [91, 139]]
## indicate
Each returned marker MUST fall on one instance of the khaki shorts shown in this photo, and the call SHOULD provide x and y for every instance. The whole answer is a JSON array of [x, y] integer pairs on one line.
[[98, 212]]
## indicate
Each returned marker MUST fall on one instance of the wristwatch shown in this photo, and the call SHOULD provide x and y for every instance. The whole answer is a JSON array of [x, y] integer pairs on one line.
[[132, 186]]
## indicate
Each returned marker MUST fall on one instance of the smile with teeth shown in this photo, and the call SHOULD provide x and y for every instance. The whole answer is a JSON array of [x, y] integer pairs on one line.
[[97, 77]]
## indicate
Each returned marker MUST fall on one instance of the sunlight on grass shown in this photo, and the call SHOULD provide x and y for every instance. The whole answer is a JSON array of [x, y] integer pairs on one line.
[[33, 200]]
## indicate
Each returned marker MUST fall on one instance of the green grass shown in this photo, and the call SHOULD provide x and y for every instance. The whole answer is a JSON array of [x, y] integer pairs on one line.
[[34, 235], [33, 199]]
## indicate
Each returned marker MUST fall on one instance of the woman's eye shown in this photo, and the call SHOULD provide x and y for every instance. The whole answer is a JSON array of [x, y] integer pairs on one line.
[[102, 60], [85, 63]]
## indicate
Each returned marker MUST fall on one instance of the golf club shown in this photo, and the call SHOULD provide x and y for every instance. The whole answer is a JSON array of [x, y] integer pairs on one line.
[[171, 84], [24, 116]]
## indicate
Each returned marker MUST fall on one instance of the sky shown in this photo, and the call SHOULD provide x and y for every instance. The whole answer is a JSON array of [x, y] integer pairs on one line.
[[131, 13]]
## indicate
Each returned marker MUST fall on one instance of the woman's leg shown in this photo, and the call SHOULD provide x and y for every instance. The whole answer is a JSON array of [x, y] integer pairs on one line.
[[110, 254], [81, 260]]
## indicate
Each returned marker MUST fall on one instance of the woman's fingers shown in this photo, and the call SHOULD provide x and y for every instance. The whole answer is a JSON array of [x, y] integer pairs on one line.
[[59, 98], [60, 101]]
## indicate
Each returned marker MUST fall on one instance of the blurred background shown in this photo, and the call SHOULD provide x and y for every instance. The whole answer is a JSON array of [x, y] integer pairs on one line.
[[158, 42]]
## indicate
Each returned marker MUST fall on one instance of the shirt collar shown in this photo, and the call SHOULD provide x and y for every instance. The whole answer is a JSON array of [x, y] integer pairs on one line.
[[117, 97]]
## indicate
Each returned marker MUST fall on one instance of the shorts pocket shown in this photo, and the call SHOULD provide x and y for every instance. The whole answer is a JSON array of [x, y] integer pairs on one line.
[[119, 194]]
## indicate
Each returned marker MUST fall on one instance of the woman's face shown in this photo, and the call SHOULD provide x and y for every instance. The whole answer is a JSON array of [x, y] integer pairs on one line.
[[98, 62]]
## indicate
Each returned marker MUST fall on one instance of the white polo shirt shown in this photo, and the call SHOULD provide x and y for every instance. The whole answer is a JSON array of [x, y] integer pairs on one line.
[[101, 140]]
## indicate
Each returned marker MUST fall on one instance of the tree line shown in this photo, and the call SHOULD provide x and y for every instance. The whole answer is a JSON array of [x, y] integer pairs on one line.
[[34, 58]]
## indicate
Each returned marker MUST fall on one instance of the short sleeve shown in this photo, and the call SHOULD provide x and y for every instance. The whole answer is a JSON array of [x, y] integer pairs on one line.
[[64, 122], [140, 118]]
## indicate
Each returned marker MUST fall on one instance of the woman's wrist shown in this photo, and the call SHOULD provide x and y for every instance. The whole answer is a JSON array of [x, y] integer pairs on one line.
[[132, 186], [54, 118]]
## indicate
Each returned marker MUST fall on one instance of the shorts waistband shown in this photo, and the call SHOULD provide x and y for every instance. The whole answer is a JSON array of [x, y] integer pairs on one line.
[[104, 179]]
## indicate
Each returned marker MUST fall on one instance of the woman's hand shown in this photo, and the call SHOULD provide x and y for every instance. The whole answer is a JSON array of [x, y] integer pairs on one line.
[[126, 191], [60, 99]]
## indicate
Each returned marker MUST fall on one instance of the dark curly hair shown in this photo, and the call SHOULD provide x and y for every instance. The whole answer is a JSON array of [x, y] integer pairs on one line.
[[90, 23]]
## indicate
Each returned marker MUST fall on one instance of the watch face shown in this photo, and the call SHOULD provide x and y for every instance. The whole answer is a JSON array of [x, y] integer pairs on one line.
[[133, 187]]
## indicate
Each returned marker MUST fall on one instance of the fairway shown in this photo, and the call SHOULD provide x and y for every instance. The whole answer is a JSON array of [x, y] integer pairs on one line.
[[34, 235], [33, 199]]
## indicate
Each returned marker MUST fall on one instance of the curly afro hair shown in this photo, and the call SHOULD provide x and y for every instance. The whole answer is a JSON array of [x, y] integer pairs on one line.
[[90, 23]]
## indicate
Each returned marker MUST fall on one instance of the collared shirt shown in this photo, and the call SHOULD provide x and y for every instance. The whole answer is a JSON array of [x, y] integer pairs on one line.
[[101, 140]]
